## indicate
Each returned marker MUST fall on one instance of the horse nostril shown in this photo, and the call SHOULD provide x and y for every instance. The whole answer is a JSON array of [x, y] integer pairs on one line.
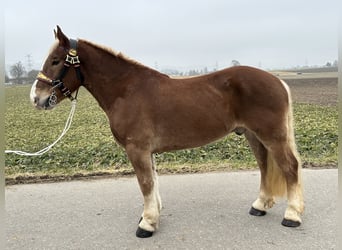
[[36, 100]]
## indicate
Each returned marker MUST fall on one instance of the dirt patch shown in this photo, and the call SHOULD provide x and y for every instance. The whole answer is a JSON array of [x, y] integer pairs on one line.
[[322, 91]]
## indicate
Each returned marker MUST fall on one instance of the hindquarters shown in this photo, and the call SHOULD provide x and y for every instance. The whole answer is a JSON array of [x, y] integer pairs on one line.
[[271, 136]]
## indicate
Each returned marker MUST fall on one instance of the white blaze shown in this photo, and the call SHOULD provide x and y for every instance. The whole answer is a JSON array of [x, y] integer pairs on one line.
[[33, 94]]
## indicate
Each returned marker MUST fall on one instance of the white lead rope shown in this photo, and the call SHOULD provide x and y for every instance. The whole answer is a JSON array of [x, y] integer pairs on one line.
[[44, 150]]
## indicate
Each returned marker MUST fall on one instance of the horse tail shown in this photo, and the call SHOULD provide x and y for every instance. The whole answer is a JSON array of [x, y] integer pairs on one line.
[[292, 142], [276, 180]]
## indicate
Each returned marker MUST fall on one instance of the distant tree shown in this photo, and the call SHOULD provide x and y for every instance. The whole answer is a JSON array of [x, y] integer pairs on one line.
[[193, 72], [6, 78], [328, 64], [17, 71], [31, 75], [235, 63], [335, 64]]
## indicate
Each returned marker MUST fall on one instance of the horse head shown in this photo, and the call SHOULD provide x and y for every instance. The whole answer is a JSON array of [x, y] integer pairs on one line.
[[55, 82]]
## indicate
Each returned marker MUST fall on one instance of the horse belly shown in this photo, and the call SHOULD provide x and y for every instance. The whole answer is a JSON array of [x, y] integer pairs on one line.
[[191, 130]]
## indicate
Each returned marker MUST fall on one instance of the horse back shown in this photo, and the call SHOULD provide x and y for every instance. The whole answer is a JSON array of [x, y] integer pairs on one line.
[[169, 114]]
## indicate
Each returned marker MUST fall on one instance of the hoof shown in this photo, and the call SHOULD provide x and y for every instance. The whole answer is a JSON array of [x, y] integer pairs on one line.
[[256, 212], [142, 233], [290, 223]]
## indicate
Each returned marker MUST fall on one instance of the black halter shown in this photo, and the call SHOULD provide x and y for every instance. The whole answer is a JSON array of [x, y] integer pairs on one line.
[[70, 60]]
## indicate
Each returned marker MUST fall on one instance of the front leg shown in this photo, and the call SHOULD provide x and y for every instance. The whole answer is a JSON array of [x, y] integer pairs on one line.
[[147, 177]]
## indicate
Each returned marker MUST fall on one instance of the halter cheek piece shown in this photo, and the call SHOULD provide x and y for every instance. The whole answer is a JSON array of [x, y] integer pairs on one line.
[[70, 60]]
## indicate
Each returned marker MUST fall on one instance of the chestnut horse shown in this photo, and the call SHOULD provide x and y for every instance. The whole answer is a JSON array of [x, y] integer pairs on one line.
[[150, 112]]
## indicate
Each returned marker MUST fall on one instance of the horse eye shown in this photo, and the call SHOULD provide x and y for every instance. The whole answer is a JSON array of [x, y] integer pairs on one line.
[[55, 62]]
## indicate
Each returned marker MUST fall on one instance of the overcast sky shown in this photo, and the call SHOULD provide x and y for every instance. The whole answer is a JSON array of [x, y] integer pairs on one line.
[[181, 34]]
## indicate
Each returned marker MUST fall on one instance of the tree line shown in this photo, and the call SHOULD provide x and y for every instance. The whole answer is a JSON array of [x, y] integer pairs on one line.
[[19, 75]]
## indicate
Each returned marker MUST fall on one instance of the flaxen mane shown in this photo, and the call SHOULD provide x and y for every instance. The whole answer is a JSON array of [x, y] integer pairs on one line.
[[115, 53]]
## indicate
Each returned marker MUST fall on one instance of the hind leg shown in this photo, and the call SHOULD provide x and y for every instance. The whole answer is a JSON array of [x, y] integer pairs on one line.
[[286, 158], [265, 199]]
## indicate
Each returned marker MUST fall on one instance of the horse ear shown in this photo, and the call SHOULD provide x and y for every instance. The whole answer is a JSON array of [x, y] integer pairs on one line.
[[63, 40]]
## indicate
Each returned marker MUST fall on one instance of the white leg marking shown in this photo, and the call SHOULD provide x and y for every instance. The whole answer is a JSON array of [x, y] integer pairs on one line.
[[157, 194], [150, 216], [263, 202], [152, 207], [295, 204]]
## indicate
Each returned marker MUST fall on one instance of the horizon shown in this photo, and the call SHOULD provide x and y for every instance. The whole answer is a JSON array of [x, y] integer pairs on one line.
[[181, 35]]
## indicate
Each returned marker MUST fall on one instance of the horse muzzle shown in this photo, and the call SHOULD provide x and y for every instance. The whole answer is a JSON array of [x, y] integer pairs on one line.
[[46, 103]]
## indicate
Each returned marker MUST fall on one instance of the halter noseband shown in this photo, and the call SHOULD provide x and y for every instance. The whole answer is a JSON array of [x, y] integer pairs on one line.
[[71, 59]]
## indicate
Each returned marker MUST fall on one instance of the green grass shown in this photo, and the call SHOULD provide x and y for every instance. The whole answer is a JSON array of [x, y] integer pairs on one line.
[[89, 147]]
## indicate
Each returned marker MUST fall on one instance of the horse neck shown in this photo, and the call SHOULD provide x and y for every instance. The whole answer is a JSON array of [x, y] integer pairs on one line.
[[107, 74]]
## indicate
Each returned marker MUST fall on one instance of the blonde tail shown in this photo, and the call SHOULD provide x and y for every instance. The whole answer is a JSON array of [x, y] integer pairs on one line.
[[292, 143], [276, 181]]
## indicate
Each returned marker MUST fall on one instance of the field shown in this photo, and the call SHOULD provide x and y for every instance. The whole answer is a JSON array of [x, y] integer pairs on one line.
[[89, 149]]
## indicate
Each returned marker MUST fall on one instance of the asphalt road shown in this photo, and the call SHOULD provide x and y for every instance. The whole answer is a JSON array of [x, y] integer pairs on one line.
[[201, 211]]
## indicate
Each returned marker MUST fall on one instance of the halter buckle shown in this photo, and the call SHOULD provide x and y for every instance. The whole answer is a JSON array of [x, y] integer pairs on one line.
[[73, 52], [53, 99]]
